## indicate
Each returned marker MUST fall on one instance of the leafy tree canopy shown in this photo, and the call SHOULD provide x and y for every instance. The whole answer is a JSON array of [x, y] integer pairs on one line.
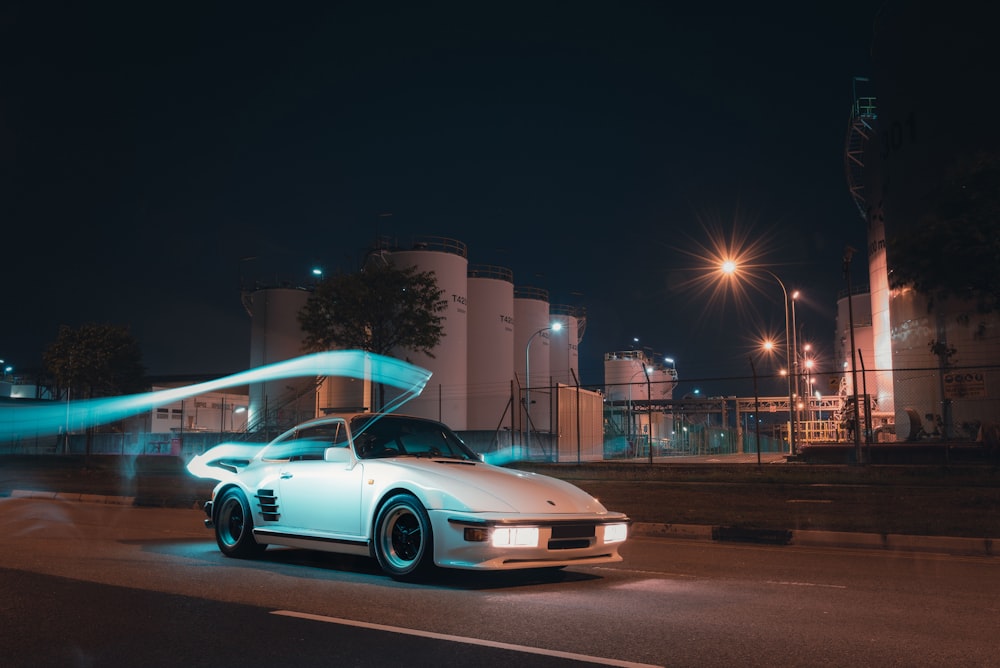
[[380, 309], [955, 251], [96, 360]]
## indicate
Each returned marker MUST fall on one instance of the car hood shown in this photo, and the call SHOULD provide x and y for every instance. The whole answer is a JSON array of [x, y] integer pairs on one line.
[[481, 487]]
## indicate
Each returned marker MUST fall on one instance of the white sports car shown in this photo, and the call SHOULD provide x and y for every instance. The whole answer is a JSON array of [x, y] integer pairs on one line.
[[404, 490]]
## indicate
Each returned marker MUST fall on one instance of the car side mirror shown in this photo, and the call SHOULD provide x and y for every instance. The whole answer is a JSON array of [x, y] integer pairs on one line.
[[337, 455]]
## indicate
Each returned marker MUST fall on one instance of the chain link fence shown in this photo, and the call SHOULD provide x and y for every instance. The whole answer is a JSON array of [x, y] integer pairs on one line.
[[915, 405]]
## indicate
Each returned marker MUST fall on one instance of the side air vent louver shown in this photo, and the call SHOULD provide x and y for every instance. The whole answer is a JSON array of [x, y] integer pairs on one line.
[[268, 503]]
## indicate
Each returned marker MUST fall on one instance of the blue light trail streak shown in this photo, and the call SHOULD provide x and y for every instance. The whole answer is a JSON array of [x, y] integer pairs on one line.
[[53, 418]]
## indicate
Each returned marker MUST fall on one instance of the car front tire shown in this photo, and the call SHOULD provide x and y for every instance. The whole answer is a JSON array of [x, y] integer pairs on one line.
[[234, 526], [404, 544]]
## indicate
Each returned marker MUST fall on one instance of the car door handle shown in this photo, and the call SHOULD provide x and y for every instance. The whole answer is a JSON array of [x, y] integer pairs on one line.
[[286, 476]]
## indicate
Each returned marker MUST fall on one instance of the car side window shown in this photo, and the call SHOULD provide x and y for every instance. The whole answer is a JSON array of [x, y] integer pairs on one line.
[[308, 443]]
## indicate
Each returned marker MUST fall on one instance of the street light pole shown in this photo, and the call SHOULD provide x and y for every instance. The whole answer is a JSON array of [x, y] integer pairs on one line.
[[649, 413], [555, 327], [729, 267], [788, 356], [795, 355]]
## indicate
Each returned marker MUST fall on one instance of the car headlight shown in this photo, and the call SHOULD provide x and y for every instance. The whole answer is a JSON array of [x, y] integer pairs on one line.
[[615, 533], [515, 537]]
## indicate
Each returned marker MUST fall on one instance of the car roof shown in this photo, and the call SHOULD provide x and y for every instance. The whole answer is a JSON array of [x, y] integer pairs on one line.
[[354, 415]]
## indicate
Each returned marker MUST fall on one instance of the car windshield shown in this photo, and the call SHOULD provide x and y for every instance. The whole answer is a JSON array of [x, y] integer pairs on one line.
[[393, 436]]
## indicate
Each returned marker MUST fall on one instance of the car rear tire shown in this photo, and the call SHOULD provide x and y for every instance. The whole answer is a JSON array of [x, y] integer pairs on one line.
[[234, 526], [404, 544]]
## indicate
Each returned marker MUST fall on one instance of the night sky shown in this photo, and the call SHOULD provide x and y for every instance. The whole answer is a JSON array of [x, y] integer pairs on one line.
[[596, 149]]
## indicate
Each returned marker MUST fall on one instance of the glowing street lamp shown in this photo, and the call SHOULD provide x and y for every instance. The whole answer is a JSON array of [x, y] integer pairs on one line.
[[317, 274], [555, 327], [729, 268]]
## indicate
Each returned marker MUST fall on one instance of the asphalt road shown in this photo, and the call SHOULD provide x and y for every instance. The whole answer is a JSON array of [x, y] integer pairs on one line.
[[101, 585]]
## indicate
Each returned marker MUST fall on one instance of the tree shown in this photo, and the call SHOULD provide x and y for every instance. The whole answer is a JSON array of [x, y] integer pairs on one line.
[[955, 251], [95, 361], [381, 309]]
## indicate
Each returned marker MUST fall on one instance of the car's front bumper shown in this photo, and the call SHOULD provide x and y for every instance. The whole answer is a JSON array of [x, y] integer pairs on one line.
[[562, 541]]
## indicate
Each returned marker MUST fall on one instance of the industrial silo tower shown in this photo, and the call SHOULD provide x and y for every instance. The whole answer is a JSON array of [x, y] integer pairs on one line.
[[276, 336], [532, 332], [491, 347], [564, 343], [444, 397], [639, 391]]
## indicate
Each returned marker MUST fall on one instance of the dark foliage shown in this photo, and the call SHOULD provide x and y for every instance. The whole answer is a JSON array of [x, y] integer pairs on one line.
[[382, 309], [955, 251], [96, 360]]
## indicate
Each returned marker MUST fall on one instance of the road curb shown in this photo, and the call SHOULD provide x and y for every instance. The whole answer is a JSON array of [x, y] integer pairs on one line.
[[951, 545], [955, 545], [690, 531], [68, 496]]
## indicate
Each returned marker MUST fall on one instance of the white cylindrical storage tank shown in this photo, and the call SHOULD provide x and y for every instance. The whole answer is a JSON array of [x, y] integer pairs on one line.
[[275, 336], [663, 381], [340, 394], [922, 385], [532, 328], [916, 379], [444, 396], [624, 379], [630, 378], [491, 347], [661, 389], [564, 348]]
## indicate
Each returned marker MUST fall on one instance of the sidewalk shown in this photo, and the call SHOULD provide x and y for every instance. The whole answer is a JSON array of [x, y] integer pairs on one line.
[[744, 458], [983, 547]]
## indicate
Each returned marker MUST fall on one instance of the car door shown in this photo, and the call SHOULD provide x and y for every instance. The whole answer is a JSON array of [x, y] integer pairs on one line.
[[317, 497]]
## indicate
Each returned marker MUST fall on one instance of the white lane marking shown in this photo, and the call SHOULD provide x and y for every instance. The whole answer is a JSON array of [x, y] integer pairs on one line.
[[469, 641], [806, 584]]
